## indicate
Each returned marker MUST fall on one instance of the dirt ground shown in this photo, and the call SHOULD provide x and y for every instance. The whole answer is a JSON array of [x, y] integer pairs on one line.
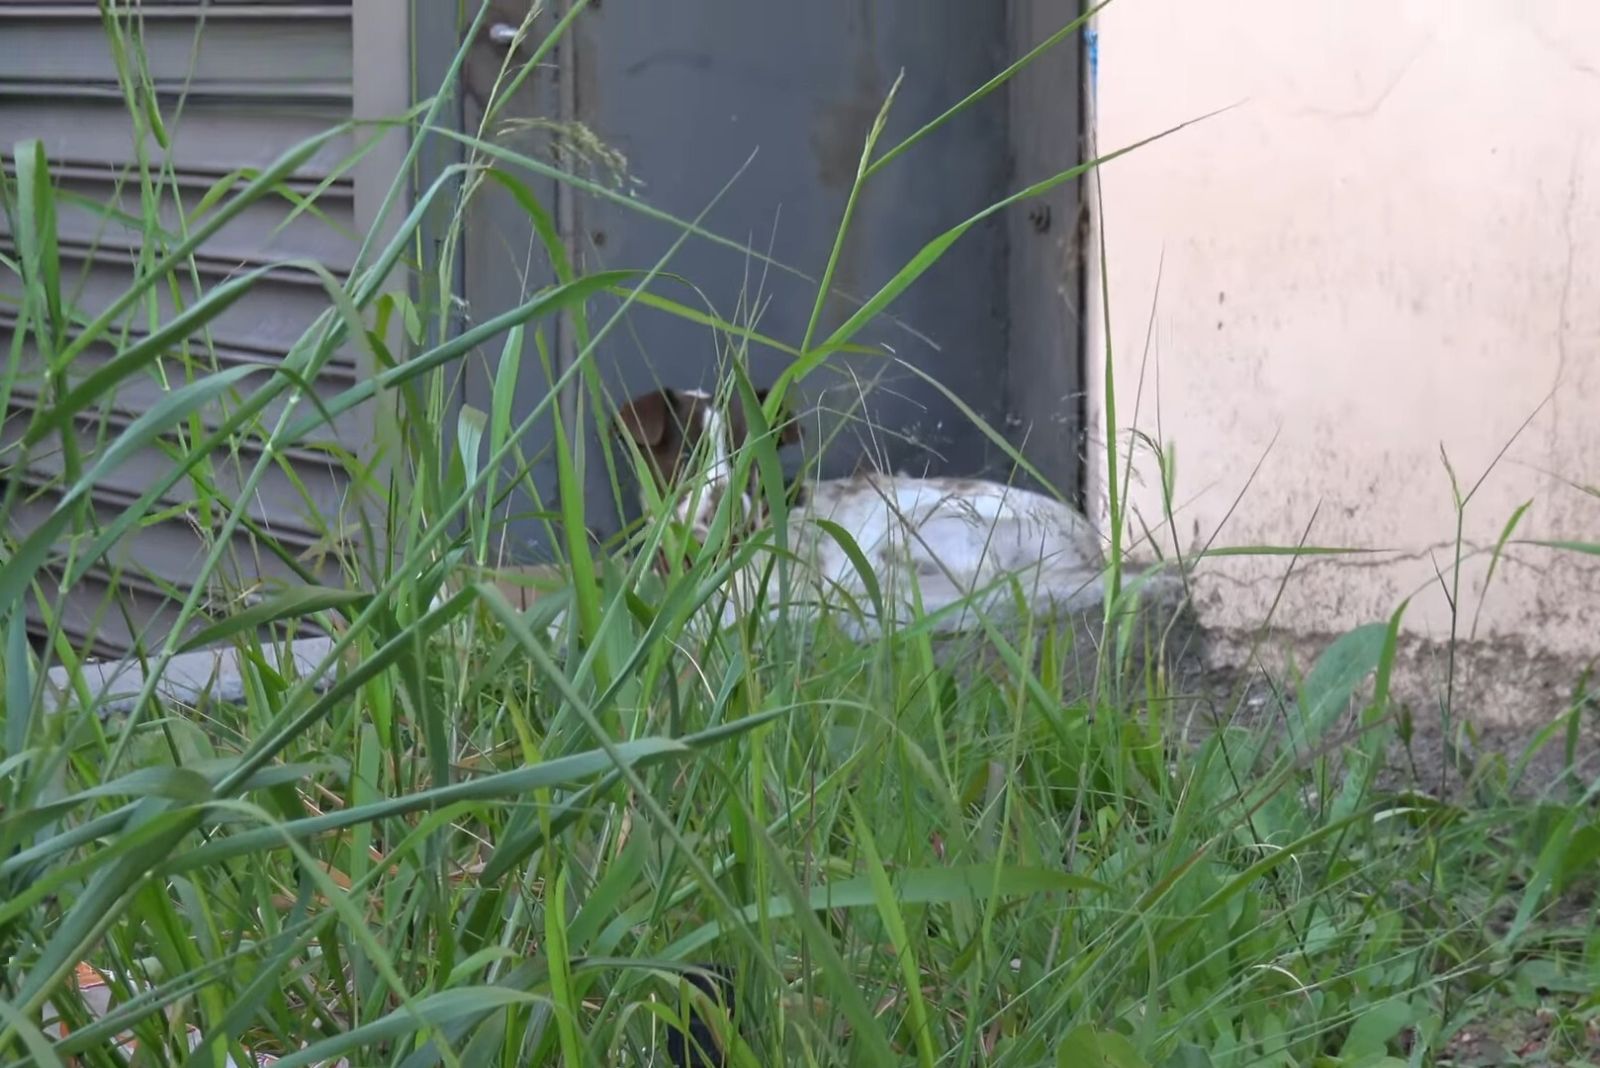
[[1491, 706], [1519, 721], [1492, 709], [1533, 1037], [1508, 712]]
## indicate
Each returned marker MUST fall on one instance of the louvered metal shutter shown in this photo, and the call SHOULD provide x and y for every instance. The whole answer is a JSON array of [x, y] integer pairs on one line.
[[239, 83]]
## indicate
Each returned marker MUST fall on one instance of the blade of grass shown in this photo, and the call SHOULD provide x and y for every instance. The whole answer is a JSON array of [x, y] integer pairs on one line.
[[931, 252], [966, 102], [905, 953]]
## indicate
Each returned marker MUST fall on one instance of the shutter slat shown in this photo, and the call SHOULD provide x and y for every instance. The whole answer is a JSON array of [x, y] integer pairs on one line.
[[170, 552], [218, 137], [255, 79], [290, 53], [276, 311], [141, 392], [189, 10], [99, 208], [277, 502]]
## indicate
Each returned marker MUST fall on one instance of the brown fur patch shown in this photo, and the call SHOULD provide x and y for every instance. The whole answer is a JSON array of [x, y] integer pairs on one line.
[[667, 424]]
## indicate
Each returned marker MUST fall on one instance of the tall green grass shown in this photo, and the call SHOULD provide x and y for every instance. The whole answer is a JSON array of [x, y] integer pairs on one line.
[[465, 843]]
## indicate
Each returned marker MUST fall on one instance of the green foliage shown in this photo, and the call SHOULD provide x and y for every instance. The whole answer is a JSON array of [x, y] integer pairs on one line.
[[480, 846]]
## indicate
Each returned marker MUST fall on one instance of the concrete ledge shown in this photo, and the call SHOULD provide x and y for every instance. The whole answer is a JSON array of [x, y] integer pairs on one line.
[[1157, 623], [1506, 697], [213, 675], [190, 678]]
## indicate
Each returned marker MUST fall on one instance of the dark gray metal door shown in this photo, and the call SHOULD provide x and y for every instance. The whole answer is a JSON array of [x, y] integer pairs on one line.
[[688, 91]]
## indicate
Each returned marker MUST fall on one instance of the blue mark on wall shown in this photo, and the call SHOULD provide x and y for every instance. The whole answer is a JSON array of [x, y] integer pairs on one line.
[[1091, 43]]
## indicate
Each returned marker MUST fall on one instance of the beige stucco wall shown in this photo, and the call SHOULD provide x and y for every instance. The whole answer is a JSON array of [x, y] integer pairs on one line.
[[1390, 244]]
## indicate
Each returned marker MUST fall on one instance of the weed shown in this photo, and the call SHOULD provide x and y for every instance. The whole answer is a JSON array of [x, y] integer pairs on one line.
[[457, 841]]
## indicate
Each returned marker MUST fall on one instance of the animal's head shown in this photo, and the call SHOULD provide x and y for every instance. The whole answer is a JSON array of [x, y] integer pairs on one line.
[[688, 437]]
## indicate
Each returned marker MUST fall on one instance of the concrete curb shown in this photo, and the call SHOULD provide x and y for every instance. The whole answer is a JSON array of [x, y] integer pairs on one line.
[[190, 678]]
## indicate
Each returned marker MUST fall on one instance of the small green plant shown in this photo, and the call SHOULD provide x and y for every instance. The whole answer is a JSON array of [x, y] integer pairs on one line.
[[462, 843]]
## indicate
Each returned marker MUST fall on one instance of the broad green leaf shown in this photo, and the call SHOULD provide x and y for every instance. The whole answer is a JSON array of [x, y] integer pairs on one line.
[[841, 232], [1499, 549], [267, 180], [1333, 680], [470, 426], [172, 409], [1090, 1047], [505, 390], [1374, 1027], [37, 248], [563, 999]]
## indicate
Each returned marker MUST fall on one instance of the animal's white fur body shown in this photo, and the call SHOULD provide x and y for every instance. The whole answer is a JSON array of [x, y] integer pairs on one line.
[[935, 543], [930, 544]]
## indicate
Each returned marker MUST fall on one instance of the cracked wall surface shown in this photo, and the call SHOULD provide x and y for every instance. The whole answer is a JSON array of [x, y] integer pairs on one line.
[[1385, 252]]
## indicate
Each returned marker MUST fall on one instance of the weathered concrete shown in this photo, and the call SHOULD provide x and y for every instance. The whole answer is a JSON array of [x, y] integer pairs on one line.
[[1383, 252], [114, 686], [1506, 705]]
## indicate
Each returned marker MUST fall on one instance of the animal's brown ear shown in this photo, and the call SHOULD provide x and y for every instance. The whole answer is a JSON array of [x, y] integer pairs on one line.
[[788, 427], [645, 418]]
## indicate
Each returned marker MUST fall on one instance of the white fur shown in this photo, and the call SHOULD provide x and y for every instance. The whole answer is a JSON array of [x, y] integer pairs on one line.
[[933, 543], [698, 507], [940, 542]]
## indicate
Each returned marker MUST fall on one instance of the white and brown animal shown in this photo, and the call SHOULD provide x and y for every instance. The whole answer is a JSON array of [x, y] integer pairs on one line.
[[936, 547]]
